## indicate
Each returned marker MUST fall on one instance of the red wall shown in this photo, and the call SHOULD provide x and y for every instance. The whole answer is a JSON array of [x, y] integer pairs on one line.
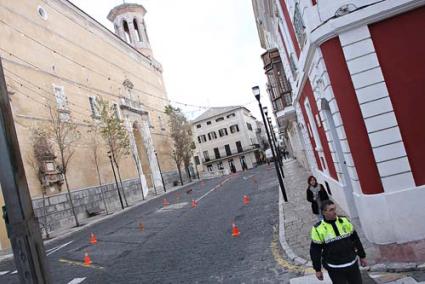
[[290, 27], [304, 97], [354, 126], [308, 93], [400, 46]]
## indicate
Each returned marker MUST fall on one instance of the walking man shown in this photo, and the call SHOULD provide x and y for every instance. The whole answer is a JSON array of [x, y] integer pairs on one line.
[[335, 242]]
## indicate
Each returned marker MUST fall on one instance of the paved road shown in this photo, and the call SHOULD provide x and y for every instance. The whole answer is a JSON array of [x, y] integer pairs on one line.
[[181, 244]]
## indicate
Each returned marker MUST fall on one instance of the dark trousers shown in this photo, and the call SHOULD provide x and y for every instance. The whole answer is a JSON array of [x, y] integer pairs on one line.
[[350, 275]]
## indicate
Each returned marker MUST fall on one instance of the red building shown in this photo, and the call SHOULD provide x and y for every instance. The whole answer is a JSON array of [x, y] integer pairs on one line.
[[356, 71]]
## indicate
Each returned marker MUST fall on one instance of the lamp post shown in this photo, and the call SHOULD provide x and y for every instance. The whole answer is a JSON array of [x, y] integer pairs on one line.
[[160, 172], [274, 140], [256, 92], [115, 177]]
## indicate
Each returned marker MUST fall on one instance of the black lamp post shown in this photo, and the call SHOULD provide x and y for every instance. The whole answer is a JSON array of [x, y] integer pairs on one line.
[[256, 92], [274, 140], [160, 172], [116, 181]]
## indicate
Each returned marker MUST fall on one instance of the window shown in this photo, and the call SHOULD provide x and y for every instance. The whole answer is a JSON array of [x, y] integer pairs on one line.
[[222, 132], [198, 126], [293, 66], [299, 26], [61, 103], [94, 107], [231, 115], [208, 122], [212, 135], [210, 168], [234, 128], [220, 166], [196, 160], [249, 126], [239, 146], [206, 156], [202, 138], [228, 151], [126, 31], [219, 119], [217, 153], [136, 28]]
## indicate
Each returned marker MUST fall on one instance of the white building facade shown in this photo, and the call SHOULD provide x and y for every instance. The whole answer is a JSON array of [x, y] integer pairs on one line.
[[355, 72], [226, 140]]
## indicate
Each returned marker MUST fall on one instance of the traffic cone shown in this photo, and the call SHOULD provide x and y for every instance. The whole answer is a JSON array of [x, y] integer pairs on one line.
[[235, 230], [87, 260], [194, 203], [245, 199], [141, 227], [165, 202], [93, 240]]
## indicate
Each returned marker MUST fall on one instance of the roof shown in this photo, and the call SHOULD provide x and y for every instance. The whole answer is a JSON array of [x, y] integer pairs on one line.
[[214, 111]]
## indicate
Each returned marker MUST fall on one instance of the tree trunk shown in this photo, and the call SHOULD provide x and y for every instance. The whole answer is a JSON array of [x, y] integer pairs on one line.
[[45, 215], [188, 174], [102, 194], [122, 187], [70, 201], [180, 175]]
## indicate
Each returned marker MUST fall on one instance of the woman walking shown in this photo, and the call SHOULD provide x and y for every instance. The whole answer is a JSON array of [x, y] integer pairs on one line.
[[316, 194]]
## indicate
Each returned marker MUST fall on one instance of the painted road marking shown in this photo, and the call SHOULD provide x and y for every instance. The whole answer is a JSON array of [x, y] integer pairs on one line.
[[173, 207], [55, 249], [212, 189], [77, 280], [79, 263], [4, 272]]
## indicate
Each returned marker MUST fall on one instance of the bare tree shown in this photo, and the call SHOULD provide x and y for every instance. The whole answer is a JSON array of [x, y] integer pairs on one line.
[[181, 133], [94, 132], [115, 135], [63, 133]]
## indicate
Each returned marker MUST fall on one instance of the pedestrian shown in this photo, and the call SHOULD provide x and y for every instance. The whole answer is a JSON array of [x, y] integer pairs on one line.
[[316, 194], [336, 246]]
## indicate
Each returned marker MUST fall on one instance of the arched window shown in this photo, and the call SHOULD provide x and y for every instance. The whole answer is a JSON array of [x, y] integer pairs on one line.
[[136, 28], [126, 31]]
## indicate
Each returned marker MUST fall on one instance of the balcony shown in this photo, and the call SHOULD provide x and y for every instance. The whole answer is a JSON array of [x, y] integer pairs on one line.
[[131, 105], [244, 150]]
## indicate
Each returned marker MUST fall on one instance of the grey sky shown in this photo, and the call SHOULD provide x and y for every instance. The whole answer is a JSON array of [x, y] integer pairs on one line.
[[209, 49]]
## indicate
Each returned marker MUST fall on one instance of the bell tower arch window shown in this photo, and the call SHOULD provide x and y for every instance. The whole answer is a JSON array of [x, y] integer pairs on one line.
[[126, 31], [137, 30]]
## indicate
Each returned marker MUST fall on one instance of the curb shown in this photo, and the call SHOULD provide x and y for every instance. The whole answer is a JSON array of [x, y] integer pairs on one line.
[[106, 217], [379, 267]]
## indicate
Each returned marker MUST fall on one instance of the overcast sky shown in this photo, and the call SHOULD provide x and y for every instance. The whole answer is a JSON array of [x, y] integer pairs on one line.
[[209, 49]]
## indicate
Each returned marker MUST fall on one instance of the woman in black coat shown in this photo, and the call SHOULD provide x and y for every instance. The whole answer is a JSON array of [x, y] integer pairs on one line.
[[316, 194]]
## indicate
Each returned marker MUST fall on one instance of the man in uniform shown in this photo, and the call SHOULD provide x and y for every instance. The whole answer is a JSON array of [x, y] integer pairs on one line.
[[336, 245]]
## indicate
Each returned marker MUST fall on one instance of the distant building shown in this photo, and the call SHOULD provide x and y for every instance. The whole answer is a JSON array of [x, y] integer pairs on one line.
[[347, 82], [226, 139]]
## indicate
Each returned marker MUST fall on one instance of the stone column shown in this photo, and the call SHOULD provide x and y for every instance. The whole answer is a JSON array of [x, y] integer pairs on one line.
[[153, 162], [135, 156]]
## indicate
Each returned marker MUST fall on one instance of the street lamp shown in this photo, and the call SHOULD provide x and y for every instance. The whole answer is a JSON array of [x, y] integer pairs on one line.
[[115, 177], [256, 92], [159, 167], [274, 140]]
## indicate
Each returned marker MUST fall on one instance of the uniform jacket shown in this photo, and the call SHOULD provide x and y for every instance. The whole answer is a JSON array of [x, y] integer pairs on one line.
[[335, 243]]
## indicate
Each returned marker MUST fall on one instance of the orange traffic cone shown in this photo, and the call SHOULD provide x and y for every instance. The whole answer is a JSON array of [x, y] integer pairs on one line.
[[194, 203], [245, 199], [235, 230], [141, 227], [87, 260], [93, 240], [165, 202]]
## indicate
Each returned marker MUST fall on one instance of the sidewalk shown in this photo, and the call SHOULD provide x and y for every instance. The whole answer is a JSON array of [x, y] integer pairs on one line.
[[296, 220], [66, 232]]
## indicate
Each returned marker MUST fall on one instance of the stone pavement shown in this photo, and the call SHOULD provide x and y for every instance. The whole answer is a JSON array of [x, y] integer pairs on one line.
[[297, 222]]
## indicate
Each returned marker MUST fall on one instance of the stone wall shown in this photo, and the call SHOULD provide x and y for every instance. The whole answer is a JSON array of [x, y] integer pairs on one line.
[[59, 212]]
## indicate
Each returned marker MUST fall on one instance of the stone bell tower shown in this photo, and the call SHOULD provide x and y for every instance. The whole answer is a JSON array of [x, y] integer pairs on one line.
[[130, 26]]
